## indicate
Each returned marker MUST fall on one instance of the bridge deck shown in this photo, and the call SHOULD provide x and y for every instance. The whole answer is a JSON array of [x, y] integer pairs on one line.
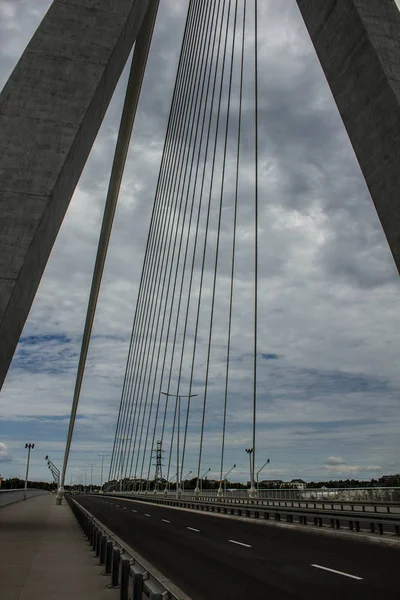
[[44, 555]]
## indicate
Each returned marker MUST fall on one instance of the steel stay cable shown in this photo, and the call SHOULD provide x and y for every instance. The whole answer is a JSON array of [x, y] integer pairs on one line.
[[144, 267], [233, 243], [208, 138], [158, 183], [174, 219], [139, 336], [179, 185], [208, 211], [201, 81], [216, 259], [255, 231], [163, 367], [193, 199]]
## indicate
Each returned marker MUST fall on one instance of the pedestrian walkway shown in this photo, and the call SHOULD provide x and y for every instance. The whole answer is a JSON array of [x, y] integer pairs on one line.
[[43, 554]]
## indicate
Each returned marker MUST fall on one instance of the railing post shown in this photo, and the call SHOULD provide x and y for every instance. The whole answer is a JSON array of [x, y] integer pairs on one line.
[[103, 547], [115, 563], [95, 534], [125, 577], [108, 559], [137, 586], [98, 543]]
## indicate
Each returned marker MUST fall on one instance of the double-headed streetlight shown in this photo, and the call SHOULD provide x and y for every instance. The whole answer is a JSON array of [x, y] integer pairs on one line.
[[91, 465], [85, 471], [259, 471], [167, 484], [202, 477], [184, 479], [54, 470], [30, 447], [178, 408], [225, 478], [252, 491]]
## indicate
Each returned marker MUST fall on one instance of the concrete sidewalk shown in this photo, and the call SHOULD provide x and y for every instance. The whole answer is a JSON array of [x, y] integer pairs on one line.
[[43, 554]]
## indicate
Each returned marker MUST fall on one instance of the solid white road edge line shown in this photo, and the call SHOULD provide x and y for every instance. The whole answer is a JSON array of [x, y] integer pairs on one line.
[[337, 572], [239, 543]]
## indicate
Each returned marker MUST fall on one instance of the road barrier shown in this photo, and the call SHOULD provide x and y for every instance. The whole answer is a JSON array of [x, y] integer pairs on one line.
[[367, 495], [125, 571], [342, 505], [11, 496], [379, 523]]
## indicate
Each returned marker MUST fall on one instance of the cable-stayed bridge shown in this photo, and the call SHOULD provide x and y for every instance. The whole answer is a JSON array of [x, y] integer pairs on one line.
[[196, 322]]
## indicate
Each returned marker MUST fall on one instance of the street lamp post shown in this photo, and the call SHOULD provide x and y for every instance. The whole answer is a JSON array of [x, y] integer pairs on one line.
[[85, 471], [54, 470], [201, 478], [102, 464], [178, 400], [259, 470], [183, 481], [91, 477], [252, 491], [225, 476], [30, 447], [168, 482]]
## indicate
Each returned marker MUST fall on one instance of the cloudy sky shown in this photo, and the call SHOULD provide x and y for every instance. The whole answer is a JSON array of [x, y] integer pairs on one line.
[[329, 332]]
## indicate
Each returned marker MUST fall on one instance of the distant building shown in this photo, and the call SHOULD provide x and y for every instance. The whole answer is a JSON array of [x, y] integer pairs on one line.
[[298, 484], [270, 483], [389, 480]]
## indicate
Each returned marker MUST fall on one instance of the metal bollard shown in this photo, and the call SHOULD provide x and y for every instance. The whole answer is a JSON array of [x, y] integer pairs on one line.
[[98, 543], [125, 577], [115, 562], [103, 546], [108, 559], [86, 525], [94, 540], [137, 586]]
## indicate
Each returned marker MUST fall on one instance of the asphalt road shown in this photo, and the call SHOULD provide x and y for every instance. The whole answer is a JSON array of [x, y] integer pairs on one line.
[[214, 558]]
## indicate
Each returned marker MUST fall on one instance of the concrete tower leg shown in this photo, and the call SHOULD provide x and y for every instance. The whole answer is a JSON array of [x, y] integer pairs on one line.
[[358, 45], [50, 112]]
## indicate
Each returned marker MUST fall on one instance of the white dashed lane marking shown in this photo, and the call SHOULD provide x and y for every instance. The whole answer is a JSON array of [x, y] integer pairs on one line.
[[240, 543], [165, 521], [193, 529], [147, 515], [337, 572]]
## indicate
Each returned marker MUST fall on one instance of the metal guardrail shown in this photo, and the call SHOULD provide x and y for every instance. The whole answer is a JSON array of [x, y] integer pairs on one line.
[[354, 506], [126, 572], [362, 494], [387, 495], [374, 522]]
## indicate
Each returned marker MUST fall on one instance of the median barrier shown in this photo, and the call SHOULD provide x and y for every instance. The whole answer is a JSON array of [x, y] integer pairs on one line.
[[126, 572], [373, 522]]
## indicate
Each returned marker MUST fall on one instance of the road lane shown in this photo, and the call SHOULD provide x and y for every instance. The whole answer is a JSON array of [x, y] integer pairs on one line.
[[211, 557]]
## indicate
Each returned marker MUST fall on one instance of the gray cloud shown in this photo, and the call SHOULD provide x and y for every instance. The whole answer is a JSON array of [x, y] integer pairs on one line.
[[328, 299], [4, 454]]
